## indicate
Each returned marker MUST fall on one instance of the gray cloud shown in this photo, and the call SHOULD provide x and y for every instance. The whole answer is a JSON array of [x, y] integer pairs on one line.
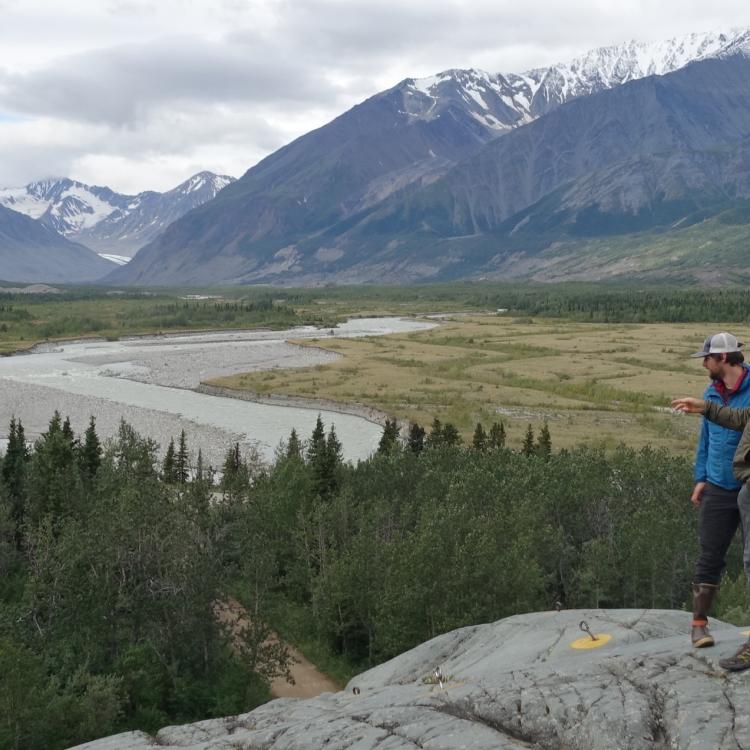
[[227, 83], [121, 86]]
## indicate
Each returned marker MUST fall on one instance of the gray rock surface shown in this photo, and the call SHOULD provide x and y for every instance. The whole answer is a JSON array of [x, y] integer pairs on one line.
[[516, 683]]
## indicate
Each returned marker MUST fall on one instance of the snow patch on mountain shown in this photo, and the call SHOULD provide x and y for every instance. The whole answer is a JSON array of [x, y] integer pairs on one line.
[[121, 260], [505, 101]]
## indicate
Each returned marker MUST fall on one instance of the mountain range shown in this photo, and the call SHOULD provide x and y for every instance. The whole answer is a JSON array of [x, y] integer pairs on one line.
[[468, 174], [113, 224], [577, 170]]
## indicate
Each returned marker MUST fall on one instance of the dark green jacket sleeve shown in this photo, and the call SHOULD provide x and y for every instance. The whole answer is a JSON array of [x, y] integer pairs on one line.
[[734, 419]]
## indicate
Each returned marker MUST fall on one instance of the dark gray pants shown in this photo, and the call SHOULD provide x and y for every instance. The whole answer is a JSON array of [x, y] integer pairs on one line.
[[718, 520]]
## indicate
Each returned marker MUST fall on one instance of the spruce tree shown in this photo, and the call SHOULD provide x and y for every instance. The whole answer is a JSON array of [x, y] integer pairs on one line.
[[199, 470], [333, 459], [528, 447], [317, 445], [168, 468], [55, 425], [479, 441], [415, 441], [544, 443], [435, 438], [497, 436], [181, 463], [451, 435], [91, 452], [389, 438], [293, 446], [14, 476], [67, 431]]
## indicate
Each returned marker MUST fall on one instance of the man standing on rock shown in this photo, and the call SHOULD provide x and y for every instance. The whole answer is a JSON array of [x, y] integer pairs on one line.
[[716, 488]]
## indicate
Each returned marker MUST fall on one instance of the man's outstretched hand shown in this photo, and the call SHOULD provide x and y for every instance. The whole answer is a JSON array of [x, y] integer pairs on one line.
[[689, 405]]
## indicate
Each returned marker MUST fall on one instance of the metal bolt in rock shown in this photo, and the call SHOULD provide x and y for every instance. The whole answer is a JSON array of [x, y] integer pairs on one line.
[[586, 629], [439, 677]]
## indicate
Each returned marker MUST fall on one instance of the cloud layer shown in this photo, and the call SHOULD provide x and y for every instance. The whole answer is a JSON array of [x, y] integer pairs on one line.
[[139, 96]]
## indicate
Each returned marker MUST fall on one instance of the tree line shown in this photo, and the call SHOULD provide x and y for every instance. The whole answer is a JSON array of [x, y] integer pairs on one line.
[[112, 560]]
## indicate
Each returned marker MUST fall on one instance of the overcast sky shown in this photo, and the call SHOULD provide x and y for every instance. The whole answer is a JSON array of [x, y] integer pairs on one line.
[[138, 94]]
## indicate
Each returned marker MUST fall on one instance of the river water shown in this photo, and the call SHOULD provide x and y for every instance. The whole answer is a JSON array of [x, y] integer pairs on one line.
[[147, 381]]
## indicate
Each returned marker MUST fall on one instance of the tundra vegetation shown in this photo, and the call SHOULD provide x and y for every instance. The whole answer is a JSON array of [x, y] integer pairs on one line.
[[594, 383], [112, 564]]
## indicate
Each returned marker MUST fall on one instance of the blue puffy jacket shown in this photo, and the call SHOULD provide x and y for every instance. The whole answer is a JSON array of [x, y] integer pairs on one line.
[[716, 445]]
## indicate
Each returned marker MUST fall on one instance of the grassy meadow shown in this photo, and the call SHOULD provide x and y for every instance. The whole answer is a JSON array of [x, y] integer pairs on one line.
[[596, 384]]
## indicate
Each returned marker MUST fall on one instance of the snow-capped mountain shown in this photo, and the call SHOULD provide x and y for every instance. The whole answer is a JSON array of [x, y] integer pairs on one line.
[[112, 224], [418, 181], [504, 101]]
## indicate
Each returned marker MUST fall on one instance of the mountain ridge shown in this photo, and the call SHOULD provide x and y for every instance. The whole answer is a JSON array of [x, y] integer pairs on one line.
[[104, 220], [446, 223], [31, 252]]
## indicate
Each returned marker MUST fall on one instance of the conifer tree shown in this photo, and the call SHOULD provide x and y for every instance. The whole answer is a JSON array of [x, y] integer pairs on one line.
[[168, 467], [528, 447], [497, 436], [435, 438], [333, 448], [199, 470], [415, 441], [234, 472], [293, 446], [91, 451], [54, 477], [389, 438], [181, 462], [14, 476], [316, 446], [328, 479], [479, 441], [544, 442], [67, 431], [451, 435], [233, 460], [55, 425]]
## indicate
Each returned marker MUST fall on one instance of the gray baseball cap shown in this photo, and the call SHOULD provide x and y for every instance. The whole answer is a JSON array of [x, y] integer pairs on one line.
[[718, 343]]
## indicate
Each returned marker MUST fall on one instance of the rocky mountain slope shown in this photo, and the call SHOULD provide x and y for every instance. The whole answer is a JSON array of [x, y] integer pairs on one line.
[[654, 153], [517, 683], [106, 221], [29, 251]]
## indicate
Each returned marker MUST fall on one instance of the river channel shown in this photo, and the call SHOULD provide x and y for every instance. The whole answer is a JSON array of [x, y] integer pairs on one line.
[[149, 382]]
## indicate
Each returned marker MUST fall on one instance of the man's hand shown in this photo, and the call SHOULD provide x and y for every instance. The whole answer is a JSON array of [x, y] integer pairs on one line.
[[689, 405], [695, 498]]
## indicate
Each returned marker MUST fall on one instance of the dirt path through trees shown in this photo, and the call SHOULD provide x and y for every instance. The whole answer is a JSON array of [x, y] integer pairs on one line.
[[309, 681]]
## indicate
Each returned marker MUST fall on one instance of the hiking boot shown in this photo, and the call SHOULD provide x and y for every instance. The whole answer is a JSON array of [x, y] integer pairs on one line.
[[741, 660], [703, 597]]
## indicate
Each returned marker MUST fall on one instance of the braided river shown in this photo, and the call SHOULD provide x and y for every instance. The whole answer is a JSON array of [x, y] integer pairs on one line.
[[149, 382]]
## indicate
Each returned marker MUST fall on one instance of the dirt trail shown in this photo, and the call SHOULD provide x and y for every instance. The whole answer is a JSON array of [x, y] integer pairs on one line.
[[309, 681]]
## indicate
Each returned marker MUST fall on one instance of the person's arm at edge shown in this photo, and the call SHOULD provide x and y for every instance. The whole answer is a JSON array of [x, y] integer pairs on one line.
[[724, 416], [727, 416]]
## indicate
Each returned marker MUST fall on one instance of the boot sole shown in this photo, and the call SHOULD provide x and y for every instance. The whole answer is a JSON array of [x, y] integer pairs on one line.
[[704, 642], [734, 667]]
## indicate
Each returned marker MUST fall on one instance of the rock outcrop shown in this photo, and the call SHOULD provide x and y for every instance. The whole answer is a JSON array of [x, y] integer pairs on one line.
[[516, 683]]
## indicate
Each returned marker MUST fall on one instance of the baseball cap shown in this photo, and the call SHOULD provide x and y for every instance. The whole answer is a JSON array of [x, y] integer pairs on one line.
[[718, 343]]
